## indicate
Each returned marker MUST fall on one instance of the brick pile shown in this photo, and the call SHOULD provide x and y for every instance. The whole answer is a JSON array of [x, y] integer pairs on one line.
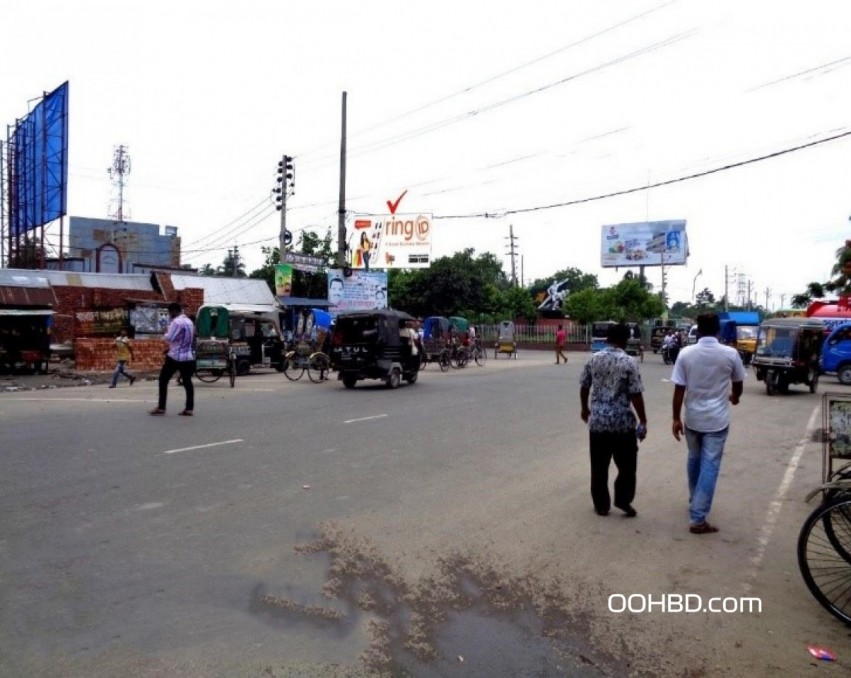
[[98, 355]]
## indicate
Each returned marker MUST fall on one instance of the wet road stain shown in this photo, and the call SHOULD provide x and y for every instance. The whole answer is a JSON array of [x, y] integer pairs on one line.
[[467, 616]]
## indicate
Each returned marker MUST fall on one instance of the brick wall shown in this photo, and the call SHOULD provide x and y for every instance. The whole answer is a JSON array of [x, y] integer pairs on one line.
[[98, 355]]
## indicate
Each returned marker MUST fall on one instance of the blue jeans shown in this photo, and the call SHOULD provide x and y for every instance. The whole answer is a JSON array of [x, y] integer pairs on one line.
[[704, 461], [120, 368]]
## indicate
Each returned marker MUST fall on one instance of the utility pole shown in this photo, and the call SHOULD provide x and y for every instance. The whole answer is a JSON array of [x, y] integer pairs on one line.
[[286, 182], [767, 296], [341, 207], [750, 285], [512, 253]]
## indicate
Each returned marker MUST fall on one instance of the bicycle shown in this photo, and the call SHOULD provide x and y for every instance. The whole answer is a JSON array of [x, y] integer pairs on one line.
[[824, 550], [478, 354], [317, 364]]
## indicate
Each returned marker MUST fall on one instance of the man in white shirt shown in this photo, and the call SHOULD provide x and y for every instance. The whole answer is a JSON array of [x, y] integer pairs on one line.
[[702, 377]]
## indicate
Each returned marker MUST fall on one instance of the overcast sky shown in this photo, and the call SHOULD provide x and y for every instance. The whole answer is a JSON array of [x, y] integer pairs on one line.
[[474, 107]]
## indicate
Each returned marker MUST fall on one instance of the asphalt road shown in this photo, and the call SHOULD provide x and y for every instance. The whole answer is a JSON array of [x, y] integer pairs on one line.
[[444, 528]]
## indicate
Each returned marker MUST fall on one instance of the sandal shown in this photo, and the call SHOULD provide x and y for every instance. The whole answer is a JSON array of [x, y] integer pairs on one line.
[[157, 412], [702, 528], [185, 413]]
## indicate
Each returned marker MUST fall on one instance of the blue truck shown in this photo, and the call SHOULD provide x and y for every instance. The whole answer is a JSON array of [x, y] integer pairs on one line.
[[836, 353]]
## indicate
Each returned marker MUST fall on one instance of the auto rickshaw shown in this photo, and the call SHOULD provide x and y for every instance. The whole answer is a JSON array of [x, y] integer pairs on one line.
[[505, 342], [635, 343], [373, 345], [787, 352], [600, 335]]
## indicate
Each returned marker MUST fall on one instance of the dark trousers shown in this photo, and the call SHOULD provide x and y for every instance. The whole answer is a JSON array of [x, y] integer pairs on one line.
[[186, 369], [623, 448]]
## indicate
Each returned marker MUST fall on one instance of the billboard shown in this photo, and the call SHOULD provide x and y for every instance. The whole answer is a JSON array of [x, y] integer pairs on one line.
[[390, 241], [283, 280], [38, 159], [645, 243], [362, 291]]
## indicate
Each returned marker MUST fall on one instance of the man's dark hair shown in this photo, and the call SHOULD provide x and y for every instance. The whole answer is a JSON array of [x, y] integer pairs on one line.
[[339, 280], [617, 335], [708, 325], [175, 308]]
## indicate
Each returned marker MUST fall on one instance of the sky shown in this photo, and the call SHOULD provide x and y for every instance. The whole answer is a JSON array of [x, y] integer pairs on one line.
[[528, 113]]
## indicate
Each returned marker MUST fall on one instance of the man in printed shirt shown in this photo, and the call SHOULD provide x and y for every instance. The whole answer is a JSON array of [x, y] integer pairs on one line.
[[612, 380], [180, 357]]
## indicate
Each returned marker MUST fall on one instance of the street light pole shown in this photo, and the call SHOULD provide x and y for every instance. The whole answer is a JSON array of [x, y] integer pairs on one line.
[[694, 284]]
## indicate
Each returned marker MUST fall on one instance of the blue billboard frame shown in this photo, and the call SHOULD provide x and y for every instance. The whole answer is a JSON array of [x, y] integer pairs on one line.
[[38, 182]]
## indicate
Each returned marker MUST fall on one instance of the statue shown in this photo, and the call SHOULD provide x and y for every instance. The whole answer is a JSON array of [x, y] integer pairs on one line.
[[556, 294]]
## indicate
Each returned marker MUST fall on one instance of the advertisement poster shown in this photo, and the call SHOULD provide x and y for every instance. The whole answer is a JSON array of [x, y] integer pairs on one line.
[[283, 280], [646, 243], [363, 291], [389, 241], [839, 426]]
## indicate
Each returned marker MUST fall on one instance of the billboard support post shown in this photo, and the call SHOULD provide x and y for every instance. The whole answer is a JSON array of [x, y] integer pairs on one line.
[[341, 207]]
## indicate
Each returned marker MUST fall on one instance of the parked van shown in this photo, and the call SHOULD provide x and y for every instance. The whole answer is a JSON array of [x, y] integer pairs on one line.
[[836, 353]]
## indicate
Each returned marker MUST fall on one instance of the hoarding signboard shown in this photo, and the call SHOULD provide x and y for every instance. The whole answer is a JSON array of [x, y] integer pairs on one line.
[[305, 262], [645, 243], [362, 291], [390, 241], [283, 280]]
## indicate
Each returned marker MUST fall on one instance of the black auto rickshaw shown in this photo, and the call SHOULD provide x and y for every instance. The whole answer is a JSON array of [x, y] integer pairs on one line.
[[787, 352], [374, 345]]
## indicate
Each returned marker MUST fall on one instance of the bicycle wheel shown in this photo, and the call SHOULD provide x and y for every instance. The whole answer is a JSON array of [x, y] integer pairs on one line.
[[318, 366], [293, 368], [208, 376], [444, 360], [460, 359], [825, 568], [480, 356]]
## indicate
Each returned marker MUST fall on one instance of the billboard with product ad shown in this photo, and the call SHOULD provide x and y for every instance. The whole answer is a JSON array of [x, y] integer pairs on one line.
[[645, 243], [389, 241], [362, 291]]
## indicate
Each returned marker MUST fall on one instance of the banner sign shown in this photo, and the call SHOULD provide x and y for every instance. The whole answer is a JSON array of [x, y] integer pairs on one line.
[[645, 243], [391, 241], [283, 280], [363, 291], [106, 321], [305, 262]]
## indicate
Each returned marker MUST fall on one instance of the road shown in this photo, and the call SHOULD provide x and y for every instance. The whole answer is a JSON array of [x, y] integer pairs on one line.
[[444, 528]]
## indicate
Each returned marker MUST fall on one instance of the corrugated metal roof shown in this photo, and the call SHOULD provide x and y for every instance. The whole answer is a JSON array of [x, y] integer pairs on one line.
[[226, 290], [113, 281]]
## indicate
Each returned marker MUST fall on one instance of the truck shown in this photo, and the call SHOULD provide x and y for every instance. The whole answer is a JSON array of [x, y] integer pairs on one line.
[[836, 352]]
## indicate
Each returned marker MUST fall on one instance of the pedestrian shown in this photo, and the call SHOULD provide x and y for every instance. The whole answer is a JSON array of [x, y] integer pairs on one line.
[[702, 377], [124, 354], [180, 357], [613, 381], [561, 337]]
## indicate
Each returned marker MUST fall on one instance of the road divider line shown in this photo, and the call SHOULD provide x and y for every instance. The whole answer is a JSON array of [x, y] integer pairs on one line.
[[776, 504], [352, 421], [201, 447]]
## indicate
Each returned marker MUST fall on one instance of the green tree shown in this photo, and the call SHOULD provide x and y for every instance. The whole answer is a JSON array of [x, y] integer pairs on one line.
[[207, 269], [704, 298], [232, 266]]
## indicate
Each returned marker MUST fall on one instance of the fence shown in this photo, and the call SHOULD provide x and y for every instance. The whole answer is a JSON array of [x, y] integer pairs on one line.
[[538, 334]]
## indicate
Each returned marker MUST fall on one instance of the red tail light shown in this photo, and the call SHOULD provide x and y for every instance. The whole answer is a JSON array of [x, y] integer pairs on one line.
[[337, 338]]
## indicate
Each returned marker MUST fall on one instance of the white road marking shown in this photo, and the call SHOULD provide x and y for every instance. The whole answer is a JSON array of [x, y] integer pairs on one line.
[[352, 421], [777, 503], [201, 447]]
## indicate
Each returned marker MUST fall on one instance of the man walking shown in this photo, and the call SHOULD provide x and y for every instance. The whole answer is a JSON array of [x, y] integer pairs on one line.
[[561, 337], [701, 377], [179, 358], [124, 353], [613, 381]]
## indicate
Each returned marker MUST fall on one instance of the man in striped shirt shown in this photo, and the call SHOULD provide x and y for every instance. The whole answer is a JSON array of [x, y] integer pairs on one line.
[[180, 357]]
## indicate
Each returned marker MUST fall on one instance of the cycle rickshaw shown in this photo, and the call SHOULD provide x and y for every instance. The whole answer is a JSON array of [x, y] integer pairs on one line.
[[214, 356], [435, 342], [505, 341], [824, 543]]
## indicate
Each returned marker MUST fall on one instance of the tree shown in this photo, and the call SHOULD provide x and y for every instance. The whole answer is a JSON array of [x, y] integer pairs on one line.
[[28, 254], [705, 298], [232, 266], [814, 291], [207, 269]]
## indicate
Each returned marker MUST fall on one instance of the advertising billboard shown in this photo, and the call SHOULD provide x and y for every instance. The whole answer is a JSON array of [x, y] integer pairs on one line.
[[39, 164], [391, 241], [283, 280], [362, 291], [645, 243]]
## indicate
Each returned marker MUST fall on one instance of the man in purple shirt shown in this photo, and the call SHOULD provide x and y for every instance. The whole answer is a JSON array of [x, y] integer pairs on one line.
[[180, 357]]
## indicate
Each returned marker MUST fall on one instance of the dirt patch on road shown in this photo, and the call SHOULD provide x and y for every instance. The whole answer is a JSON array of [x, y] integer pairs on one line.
[[468, 616]]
